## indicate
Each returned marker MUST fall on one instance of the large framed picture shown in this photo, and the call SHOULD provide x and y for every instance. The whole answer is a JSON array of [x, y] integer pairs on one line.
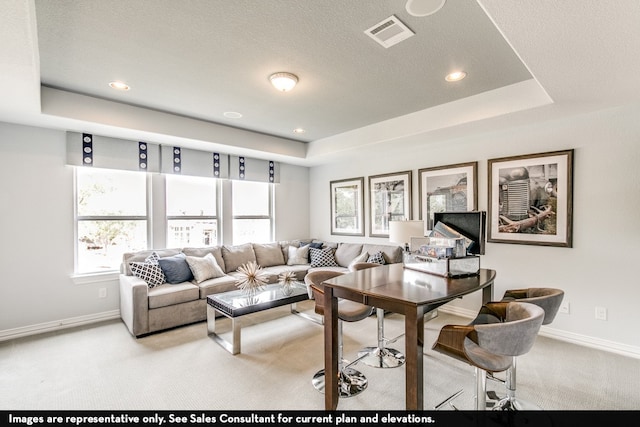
[[390, 200], [347, 212], [531, 199], [450, 188]]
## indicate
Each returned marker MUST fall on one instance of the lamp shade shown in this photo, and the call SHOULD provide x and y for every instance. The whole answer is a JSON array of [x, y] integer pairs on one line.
[[401, 232]]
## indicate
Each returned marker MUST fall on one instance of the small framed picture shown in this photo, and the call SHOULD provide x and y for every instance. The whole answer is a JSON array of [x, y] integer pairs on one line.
[[347, 212], [390, 200], [531, 199], [449, 188]]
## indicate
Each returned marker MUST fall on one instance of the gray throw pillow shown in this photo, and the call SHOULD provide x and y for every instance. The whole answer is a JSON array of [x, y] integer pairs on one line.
[[176, 269]]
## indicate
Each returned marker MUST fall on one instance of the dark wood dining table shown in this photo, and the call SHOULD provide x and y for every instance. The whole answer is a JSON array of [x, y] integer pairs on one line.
[[397, 289]]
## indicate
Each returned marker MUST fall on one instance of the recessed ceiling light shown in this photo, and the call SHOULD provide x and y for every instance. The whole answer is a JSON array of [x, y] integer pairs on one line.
[[119, 85], [455, 76], [299, 130], [232, 115]]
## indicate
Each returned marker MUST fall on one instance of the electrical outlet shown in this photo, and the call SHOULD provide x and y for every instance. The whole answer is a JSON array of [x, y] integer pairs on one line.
[[564, 307], [601, 313], [102, 293]]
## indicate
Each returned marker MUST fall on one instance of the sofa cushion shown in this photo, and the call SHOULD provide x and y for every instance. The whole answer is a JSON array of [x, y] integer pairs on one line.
[[235, 256], [216, 251], [346, 252], [140, 256], [363, 257], [216, 285], [323, 257], [204, 268], [166, 295], [149, 270], [392, 253], [298, 256], [268, 254], [377, 258], [311, 244], [175, 268]]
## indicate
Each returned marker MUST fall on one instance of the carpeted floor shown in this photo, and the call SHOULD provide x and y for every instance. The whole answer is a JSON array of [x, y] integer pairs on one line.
[[102, 367]]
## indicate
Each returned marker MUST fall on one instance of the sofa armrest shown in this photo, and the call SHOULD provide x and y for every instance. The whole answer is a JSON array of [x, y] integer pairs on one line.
[[134, 304]]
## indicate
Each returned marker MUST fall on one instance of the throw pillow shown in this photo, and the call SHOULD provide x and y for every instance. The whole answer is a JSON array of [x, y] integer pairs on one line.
[[322, 258], [363, 257], [316, 245], [268, 254], [377, 258], [298, 256], [204, 268], [149, 270], [175, 268]]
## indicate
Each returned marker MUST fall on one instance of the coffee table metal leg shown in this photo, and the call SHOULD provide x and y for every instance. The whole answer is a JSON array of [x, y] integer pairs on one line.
[[232, 347], [316, 319]]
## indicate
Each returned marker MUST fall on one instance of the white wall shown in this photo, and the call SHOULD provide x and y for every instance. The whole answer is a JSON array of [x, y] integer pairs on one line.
[[597, 271], [37, 291]]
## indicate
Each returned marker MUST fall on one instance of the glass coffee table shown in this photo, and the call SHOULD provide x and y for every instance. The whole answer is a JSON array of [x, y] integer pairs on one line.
[[235, 304]]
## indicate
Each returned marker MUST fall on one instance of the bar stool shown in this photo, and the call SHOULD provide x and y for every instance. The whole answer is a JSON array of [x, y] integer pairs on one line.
[[351, 381], [491, 347], [549, 299], [379, 356]]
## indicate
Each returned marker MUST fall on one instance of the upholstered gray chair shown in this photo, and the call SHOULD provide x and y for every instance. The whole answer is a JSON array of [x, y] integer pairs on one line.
[[379, 356], [491, 347], [549, 299], [350, 381]]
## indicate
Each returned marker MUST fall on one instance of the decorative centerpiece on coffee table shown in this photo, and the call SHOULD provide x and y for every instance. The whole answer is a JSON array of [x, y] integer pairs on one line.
[[251, 279], [287, 280]]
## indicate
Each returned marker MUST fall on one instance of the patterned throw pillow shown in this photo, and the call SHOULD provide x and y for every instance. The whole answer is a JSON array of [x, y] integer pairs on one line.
[[149, 271], [322, 257], [378, 258]]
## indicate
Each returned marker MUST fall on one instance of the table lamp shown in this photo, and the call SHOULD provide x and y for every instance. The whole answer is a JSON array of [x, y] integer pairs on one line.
[[401, 232]]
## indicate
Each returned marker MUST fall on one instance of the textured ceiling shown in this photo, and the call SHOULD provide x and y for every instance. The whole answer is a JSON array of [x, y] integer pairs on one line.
[[201, 58], [528, 62]]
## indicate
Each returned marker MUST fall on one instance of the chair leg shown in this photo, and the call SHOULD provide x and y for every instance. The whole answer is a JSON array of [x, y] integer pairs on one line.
[[350, 381], [509, 402], [381, 356]]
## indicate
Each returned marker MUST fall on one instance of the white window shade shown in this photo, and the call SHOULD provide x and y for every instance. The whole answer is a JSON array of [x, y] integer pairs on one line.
[[85, 149], [185, 161], [248, 169]]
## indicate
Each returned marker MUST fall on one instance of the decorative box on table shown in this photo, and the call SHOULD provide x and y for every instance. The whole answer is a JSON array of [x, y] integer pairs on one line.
[[446, 267]]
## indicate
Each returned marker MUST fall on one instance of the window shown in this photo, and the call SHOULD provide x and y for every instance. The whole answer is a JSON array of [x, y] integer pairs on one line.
[[191, 211], [252, 205], [111, 217]]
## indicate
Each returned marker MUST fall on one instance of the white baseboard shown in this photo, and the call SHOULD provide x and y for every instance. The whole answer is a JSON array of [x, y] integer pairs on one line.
[[9, 334], [547, 331]]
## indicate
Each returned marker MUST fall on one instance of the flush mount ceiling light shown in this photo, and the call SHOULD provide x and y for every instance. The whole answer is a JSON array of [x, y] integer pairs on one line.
[[455, 76], [424, 7], [283, 82], [232, 114], [119, 85], [299, 130]]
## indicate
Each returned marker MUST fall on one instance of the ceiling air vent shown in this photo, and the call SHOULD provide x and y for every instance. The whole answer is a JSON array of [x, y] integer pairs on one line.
[[389, 32]]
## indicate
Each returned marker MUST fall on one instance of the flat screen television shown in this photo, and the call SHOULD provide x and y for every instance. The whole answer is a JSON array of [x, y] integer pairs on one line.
[[470, 224]]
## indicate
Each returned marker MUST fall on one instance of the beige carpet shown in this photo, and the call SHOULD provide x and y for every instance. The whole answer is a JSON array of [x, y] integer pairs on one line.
[[102, 367]]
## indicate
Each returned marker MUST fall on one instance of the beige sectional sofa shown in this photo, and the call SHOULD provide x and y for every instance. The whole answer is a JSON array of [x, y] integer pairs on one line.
[[153, 303]]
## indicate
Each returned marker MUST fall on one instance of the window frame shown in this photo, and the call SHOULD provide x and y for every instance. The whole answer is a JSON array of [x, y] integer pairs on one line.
[[78, 219], [270, 209], [217, 217]]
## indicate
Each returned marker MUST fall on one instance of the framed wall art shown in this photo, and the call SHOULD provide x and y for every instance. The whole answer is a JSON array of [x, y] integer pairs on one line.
[[347, 208], [531, 199], [390, 200], [450, 188]]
